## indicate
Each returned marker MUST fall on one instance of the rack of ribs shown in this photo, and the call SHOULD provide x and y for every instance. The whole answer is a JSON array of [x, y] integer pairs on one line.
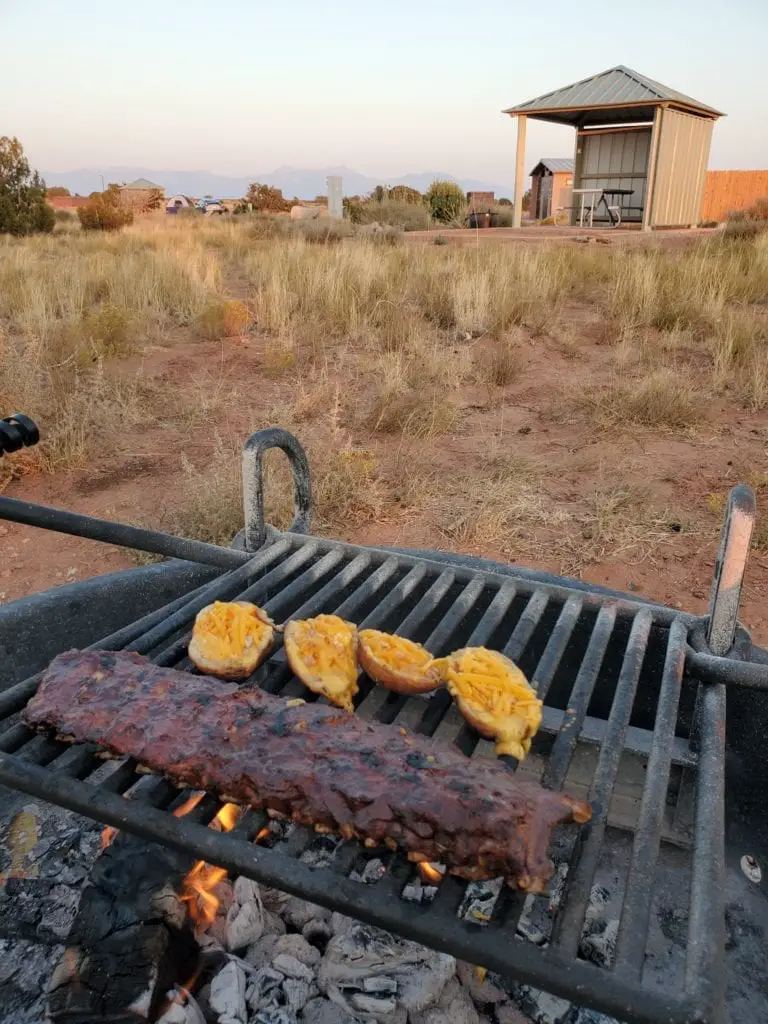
[[313, 763]]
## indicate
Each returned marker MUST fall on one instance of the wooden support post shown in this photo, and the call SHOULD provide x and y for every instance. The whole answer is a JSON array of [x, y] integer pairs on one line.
[[522, 122], [651, 178]]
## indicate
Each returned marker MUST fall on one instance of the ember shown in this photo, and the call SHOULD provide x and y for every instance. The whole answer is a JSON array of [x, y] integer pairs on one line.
[[109, 833], [430, 873], [199, 885]]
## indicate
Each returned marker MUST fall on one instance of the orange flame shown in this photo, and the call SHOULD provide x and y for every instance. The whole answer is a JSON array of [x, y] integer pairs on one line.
[[109, 833], [107, 836], [262, 834], [197, 891], [429, 873]]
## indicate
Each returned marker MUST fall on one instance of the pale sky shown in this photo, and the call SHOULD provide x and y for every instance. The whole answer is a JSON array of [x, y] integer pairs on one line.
[[239, 86]]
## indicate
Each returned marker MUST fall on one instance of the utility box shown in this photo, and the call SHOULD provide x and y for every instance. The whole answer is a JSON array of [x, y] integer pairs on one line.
[[335, 200]]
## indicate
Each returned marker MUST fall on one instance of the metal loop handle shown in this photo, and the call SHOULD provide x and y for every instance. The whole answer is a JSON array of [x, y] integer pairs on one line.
[[17, 431], [253, 483]]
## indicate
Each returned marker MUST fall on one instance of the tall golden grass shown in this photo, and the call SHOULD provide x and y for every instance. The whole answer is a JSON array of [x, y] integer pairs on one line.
[[401, 326]]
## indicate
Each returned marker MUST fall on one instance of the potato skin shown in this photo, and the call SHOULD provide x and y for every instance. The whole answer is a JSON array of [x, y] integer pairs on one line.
[[294, 634], [408, 680], [234, 667]]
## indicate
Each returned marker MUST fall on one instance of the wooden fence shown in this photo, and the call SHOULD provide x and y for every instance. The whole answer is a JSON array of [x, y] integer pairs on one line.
[[726, 191]]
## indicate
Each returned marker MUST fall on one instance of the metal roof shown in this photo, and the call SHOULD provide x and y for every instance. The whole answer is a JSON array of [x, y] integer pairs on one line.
[[555, 164], [142, 183], [621, 89]]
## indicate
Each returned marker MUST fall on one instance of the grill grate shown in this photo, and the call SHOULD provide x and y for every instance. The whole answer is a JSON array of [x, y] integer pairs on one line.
[[612, 675]]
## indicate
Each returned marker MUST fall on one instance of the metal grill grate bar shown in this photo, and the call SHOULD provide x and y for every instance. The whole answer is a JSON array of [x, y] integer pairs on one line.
[[177, 650], [570, 918], [278, 669], [636, 911], [706, 930], [526, 625], [426, 605], [494, 615], [544, 673], [223, 587], [578, 702]]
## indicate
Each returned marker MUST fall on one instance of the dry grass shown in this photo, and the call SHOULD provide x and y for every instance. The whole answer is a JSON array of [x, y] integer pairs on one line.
[[663, 398], [366, 348]]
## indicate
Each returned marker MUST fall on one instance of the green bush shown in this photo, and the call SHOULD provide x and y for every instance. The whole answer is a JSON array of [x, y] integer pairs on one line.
[[104, 212], [445, 201], [23, 209], [504, 201]]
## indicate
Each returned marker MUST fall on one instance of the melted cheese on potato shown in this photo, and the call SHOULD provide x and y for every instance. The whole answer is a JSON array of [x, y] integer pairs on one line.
[[227, 630], [322, 653]]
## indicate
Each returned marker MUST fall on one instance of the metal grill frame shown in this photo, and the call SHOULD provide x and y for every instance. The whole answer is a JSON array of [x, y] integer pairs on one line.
[[293, 569]]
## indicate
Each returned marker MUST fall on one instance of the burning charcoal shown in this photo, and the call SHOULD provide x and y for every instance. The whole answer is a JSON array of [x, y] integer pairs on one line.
[[266, 984], [260, 953], [543, 1008], [183, 1009], [371, 872], [317, 933], [245, 919], [373, 1005], [479, 900], [600, 946], [298, 993], [557, 886], [364, 952], [227, 997], [526, 927], [508, 1013], [454, 1007], [482, 991], [585, 1016], [296, 946], [341, 924], [274, 1015], [296, 913], [291, 967], [322, 1011], [380, 985]]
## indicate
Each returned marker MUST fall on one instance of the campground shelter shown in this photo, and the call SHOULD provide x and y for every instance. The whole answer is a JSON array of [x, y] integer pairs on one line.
[[632, 134], [551, 185]]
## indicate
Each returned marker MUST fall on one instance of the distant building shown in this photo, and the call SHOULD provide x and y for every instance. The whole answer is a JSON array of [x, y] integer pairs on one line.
[[137, 194], [66, 202], [551, 186]]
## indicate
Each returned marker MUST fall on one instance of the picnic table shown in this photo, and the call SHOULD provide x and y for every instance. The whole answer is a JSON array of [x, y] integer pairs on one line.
[[596, 197]]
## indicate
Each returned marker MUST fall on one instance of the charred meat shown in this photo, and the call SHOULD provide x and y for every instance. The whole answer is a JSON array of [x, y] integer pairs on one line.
[[313, 763]]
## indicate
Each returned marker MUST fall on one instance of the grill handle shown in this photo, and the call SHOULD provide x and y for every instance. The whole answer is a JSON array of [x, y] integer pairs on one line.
[[253, 483]]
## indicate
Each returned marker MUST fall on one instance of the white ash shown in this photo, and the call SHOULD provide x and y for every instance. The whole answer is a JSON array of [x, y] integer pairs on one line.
[[363, 952], [371, 872], [183, 1008]]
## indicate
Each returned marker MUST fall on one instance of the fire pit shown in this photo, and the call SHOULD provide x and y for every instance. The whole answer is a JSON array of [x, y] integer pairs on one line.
[[635, 694]]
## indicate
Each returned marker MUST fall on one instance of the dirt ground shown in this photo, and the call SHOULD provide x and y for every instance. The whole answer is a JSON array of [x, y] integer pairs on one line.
[[683, 476]]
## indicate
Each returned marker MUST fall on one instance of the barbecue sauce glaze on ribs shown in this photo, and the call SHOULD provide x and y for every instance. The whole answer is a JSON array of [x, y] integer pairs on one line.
[[315, 764]]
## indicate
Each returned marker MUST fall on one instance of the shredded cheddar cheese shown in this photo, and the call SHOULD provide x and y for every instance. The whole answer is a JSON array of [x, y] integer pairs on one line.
[[322, 653], [494, 696], [228, 629]]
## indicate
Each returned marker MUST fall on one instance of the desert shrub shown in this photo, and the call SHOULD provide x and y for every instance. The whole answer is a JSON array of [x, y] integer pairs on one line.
[[228, 318], [759, 209], [266, 198], [323, 231], [445, 201], [504, 201], [405, 194], [23, 209], [381, 234], [504, 214], [104, 212], [106, 329], [742, 228], [396, 212]]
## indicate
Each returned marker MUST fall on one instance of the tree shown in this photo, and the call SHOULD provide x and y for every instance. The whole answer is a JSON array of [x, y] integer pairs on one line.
[[57, 190], [104, 211], [155, 200], [23, 209], [266, 198]]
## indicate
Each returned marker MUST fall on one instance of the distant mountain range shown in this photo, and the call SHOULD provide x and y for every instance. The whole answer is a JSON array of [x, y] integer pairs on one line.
[[306, 183]]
